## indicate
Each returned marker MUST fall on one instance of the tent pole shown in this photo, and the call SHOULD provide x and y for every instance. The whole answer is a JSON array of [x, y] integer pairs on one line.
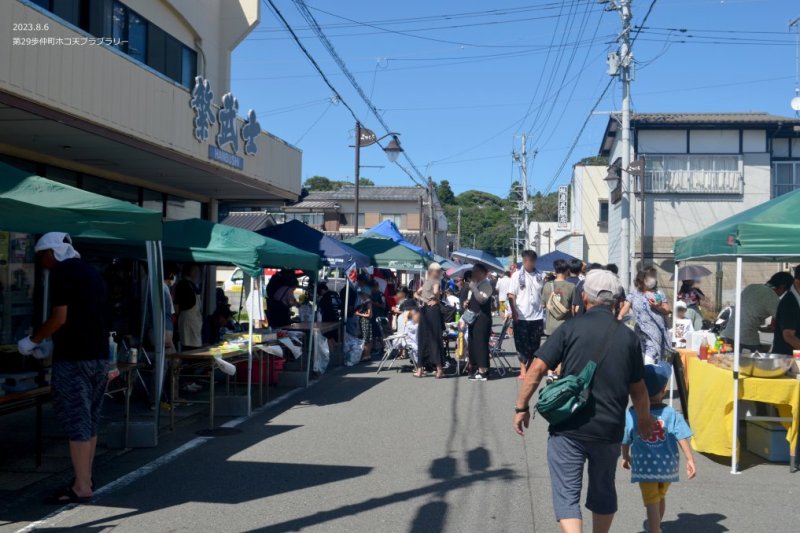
[[311, 331], [250, 314], [674, 327], [736, 354], [155, 269]]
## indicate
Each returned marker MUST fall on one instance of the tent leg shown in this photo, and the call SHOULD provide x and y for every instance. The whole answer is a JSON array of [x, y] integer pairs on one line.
[[155, 269], [311, 334], [674, 327], [736, 354], [250, 350]]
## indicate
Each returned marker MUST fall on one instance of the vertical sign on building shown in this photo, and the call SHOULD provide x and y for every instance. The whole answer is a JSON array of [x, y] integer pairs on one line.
[[563, 207]]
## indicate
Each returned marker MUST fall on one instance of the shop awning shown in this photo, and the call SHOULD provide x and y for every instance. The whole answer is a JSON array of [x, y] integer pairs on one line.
[[767, 232], [201, 241], [333, 252], [32, 204], [385, 253]]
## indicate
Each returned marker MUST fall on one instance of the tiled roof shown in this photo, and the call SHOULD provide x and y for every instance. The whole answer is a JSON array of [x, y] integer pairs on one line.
[[249, 220], [309, 203], [369, 193], [752, 117]]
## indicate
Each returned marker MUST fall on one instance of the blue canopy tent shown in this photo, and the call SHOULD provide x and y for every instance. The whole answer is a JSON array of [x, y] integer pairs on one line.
[[388, 229], [334, 253], [546, 262]]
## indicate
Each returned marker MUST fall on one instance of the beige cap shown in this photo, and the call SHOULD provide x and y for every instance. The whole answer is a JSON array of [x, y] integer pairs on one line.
[[602, 281]]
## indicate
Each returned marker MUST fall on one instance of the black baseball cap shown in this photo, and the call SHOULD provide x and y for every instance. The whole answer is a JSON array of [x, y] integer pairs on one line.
[[781, 279]]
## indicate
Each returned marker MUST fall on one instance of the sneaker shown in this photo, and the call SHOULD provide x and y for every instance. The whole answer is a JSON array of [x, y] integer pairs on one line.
[[478, 376]]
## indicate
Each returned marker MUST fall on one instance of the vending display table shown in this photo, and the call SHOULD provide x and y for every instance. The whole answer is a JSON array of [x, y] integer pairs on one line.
[[711, 406]]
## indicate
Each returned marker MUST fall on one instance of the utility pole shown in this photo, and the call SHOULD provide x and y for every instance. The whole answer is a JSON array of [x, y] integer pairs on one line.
[[619, 64], [431, 221], [458, 233], [421, 220], [358, 176], [524, 205]]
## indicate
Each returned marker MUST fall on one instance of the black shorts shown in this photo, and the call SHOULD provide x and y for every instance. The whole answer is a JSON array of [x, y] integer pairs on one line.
[[528, 338], [78, 391]]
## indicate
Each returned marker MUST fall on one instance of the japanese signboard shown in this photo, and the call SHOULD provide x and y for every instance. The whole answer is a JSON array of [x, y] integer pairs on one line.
[[229, 133], [563, 207]]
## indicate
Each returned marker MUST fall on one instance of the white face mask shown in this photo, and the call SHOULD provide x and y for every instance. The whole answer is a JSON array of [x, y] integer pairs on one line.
[[650, 283]]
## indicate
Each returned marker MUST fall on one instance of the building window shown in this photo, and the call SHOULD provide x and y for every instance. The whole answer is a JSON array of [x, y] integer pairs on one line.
[[602, 223], [693, 174], [112, 189], [183, 209], [153, 200], [786, 177], [309, 219], [139, 38], [396, 218]]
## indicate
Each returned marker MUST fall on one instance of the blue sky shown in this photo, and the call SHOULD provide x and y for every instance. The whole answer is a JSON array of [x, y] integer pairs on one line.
[[460, 88]]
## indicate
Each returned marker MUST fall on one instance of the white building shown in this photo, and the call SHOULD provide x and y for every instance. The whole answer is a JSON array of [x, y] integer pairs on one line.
[[700, 168], [587, 237]]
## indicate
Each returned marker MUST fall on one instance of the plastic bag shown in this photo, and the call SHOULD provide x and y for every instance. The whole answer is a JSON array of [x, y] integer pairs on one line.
[[461, 346], [353, 349], [322, 353]]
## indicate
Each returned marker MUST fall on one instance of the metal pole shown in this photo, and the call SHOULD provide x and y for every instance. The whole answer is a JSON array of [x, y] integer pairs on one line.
[[254, 301], [642, 219], [358, 176], [674, 324], [458, 234], [736, 353], [421, 219], [627, 198], [524, 168], [431, 221]]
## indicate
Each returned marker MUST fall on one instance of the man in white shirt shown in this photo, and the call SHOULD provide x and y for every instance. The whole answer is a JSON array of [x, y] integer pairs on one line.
[[503, 284], [527, 311]]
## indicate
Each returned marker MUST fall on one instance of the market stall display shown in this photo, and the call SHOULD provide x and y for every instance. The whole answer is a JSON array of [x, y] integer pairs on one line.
[[711, 405], [767, 232], [32, 204]]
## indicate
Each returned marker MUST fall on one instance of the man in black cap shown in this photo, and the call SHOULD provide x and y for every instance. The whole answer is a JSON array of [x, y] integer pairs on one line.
[[759, 302], [787, 319]]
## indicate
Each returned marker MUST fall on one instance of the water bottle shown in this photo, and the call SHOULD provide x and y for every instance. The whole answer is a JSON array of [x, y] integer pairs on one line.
[[113, 371]]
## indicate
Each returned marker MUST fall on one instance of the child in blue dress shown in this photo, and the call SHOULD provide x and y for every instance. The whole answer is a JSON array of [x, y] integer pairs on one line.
[[654, 463]]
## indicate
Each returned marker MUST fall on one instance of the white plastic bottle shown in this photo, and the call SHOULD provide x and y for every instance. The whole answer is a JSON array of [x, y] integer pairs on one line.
[[113, 371]]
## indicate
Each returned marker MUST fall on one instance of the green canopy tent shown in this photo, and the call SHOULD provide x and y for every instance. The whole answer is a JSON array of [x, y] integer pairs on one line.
[[32, 204], [767, 232], [201, 241], [385, 253]]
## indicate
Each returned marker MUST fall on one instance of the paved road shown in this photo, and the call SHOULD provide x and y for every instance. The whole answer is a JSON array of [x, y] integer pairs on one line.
[[390, 453]]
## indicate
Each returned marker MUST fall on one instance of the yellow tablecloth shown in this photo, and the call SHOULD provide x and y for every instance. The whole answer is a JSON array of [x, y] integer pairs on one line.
[[711, 405]]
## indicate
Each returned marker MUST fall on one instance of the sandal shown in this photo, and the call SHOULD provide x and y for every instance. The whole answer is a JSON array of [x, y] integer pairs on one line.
[[72, 483], [66, 496]]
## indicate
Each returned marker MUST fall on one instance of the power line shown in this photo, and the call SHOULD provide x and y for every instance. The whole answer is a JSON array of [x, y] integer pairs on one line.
[[578, 137], [310, 57], [304, 11]]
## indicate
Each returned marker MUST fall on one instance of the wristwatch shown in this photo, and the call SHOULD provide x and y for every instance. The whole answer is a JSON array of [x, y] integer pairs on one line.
[[526, 409]]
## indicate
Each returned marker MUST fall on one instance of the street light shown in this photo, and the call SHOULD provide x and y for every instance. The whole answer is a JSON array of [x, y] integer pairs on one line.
[[367, 137]]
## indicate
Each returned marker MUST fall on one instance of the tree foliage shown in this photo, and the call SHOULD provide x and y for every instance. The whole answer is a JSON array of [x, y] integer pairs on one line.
[[321, 183], [445, 193], [594, 160]]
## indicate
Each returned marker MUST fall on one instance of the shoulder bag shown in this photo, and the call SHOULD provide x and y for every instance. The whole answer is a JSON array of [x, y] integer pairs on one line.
[[560, 401], [469, 316]]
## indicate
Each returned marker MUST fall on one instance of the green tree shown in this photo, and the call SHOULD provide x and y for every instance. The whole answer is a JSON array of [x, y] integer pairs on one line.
[[594, 160], [445, 193], [364, 182], [545, 207], [320, 183], [484, 221]]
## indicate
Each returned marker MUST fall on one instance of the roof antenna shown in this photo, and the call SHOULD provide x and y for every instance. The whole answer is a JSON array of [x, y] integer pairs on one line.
[[795, 103]]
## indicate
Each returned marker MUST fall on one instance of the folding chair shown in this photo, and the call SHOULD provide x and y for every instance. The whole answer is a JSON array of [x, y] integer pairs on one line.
[[394, 345], [496, 349]]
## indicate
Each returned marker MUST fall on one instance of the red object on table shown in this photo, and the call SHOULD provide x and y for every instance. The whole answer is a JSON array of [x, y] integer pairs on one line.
[[260, 372]]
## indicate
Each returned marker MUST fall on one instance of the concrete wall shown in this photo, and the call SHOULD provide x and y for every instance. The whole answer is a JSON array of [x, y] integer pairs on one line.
[[105, 87], [588, 188]]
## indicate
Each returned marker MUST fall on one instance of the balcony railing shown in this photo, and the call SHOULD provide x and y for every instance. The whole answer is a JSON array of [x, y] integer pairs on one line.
[[694, 182]]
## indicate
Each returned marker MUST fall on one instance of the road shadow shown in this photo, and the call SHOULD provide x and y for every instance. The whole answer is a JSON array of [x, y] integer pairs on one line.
[[430, 517], [707, 523]]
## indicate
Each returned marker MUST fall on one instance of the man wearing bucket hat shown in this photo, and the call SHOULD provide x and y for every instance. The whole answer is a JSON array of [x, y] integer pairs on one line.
[[594, 433], [78, 325]]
